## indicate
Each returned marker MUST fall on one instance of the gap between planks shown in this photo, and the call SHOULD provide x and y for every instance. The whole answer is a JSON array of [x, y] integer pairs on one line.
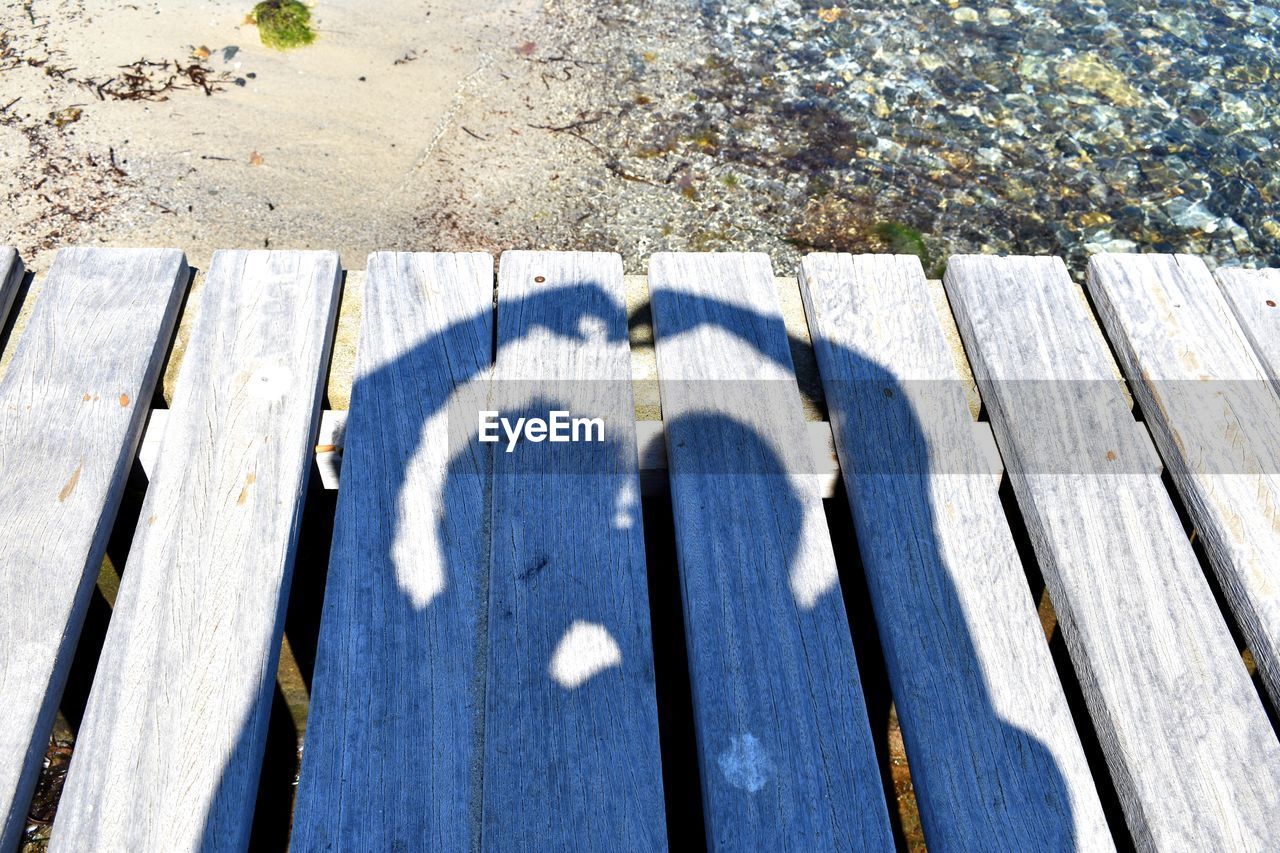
[[1190, 749], [11, 273]]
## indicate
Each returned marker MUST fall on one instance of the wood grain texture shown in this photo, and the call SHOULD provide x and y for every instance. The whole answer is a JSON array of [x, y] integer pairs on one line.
[[1214, 415], [11, 271], [72, 406], [169, 751], [784, 744], [393, 750], [571, 729], [993, 751], [1254, 297], [1192, 755]]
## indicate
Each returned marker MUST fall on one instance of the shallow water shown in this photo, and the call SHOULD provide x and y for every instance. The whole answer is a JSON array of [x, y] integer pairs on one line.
[[1062, 127], [1034, 126]]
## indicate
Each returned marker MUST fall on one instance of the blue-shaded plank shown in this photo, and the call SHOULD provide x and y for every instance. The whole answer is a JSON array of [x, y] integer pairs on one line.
[[571, 735], [784, 744], [393, 742]]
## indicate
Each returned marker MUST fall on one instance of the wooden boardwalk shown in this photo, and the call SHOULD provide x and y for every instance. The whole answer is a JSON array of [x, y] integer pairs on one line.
[[490, 668]]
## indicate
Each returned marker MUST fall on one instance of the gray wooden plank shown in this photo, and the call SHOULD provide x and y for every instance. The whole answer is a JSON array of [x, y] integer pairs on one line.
[[1191, 752], [571, 730], [169, 751], [1254, 297], [783, 737], [72, 405], [993, 750], [393, 752], [1214, 415], [11, 271]]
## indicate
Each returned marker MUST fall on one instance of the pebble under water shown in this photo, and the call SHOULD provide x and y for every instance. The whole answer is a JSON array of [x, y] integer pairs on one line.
[[1032, 126], [1064, 127]]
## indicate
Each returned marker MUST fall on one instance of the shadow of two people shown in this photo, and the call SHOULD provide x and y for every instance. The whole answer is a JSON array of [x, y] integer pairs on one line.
[[400, 749]]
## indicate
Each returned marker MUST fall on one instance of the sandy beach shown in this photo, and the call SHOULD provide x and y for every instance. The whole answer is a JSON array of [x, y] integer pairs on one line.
[[328, 146], [1033, 127]]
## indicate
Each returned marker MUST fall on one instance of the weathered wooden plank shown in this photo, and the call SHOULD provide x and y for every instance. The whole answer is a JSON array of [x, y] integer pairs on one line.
[[11, 271], [1254, 297], [72, 405], [1214, 416], [169, 751], [993, 750], [571, 729], [783, 738], [393, 744], [1192, 755]]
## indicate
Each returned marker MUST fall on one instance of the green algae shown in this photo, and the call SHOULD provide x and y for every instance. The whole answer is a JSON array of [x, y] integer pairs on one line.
[[283, 24]]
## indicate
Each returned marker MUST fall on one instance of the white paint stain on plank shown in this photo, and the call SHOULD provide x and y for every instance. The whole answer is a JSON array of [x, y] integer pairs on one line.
[[745, 764]]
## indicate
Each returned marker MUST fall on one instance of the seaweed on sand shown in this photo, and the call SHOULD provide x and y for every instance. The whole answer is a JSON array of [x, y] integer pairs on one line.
[[283, 24]]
